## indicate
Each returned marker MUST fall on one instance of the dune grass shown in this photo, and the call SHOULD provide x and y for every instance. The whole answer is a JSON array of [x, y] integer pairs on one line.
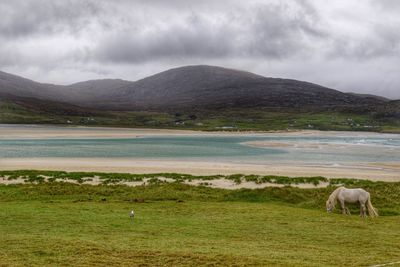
[[63, 224], [39, 176]]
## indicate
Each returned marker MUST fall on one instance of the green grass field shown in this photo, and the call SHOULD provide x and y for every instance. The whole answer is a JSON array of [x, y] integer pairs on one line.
[[228, 120], [62, 224]]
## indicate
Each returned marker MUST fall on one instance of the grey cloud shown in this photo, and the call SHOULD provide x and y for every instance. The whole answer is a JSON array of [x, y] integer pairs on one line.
[[21, 18], [387, 5], [192, 39], [319, 41], [382, 41], [275, 34], [263, 30]]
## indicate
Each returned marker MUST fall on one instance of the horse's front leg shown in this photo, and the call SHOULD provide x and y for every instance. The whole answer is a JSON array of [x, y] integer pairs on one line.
[[348, 211]]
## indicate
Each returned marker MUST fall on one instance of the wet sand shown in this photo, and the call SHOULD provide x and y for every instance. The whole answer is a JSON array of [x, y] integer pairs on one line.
[[44, 132]]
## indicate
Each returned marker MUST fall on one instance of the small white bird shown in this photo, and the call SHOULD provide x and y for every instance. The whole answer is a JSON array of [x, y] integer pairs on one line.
[[132, 214]]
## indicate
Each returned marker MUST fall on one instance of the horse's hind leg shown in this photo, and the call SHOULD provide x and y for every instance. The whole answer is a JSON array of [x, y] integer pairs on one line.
[[363, 210], [344, 212]]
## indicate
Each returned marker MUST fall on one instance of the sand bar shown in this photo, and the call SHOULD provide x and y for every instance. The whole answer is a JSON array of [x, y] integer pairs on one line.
[[43, 132]]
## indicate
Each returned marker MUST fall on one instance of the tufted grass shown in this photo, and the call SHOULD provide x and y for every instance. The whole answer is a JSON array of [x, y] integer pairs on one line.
[[63, 224]]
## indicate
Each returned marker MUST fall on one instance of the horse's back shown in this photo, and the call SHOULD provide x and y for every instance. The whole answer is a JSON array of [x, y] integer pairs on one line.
[[353, 194]]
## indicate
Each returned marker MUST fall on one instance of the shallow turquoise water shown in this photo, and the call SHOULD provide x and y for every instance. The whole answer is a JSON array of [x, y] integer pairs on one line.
[[376, 148], [146, 147]]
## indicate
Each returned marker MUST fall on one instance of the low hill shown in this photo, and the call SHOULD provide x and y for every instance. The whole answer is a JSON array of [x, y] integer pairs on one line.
[[13, 85], [390, 109], [46, 106], [208, 87], [17, 109]]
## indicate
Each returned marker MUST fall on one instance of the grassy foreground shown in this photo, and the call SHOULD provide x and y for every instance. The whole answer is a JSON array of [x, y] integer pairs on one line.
[[63, 224]]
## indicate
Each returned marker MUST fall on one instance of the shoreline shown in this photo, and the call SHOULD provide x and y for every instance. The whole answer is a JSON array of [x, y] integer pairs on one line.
[[373, 171], [37, 131]]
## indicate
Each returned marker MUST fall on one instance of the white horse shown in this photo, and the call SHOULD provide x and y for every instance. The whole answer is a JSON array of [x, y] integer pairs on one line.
[[351, 196]]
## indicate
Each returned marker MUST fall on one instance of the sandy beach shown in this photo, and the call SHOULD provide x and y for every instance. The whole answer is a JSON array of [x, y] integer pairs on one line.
[[43, 132], [39, 132], [375, 171]]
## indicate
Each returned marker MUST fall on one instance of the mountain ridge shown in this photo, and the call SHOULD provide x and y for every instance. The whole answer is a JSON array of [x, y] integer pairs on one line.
[[188, 87]]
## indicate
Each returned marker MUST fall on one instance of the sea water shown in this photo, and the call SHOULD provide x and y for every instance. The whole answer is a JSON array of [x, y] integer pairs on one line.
[[325, 149]]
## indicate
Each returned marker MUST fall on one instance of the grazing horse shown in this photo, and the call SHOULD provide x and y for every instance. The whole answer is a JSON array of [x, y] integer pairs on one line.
[[343, 195]]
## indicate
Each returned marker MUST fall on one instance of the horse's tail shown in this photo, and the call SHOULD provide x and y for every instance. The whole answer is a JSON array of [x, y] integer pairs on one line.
[[371, 210]]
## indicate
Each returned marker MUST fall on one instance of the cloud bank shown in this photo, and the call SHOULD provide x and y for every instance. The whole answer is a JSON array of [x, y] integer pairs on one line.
[[348, 45]]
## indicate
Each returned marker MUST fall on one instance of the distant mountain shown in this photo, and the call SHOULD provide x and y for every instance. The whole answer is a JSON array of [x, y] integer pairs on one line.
[[17, 86], [190, 87], [371, 96], [93, 91]]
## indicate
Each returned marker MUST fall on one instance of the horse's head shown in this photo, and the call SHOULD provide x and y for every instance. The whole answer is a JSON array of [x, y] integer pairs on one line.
[[329, 206]]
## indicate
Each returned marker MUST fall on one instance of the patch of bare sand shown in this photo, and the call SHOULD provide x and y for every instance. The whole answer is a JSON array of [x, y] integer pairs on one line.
[[315, 145], [394, 166], [4, 180], [271, 144]]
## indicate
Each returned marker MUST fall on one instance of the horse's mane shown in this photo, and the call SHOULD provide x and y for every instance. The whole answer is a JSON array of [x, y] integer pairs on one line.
[[333, 197]]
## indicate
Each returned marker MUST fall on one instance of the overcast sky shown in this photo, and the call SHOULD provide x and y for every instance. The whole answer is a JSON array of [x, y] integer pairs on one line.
[[349, 45]]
